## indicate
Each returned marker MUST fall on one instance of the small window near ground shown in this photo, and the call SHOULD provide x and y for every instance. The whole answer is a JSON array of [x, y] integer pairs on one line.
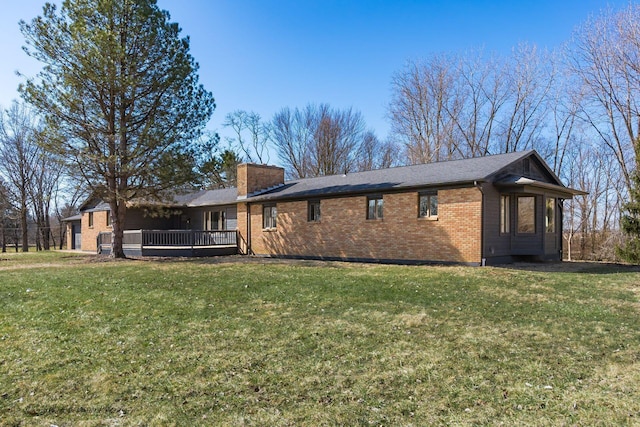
[[375, 206], [505, 214], [90, 219], [313, 214], [428, 205], [269, 214], [550, 219], [526, 215]]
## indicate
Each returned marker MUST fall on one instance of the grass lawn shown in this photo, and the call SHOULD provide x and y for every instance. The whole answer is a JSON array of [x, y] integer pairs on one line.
[[268, 343]]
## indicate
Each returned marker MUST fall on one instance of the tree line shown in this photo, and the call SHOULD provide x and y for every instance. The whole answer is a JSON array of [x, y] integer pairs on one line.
[[119, 105], [34, 194]]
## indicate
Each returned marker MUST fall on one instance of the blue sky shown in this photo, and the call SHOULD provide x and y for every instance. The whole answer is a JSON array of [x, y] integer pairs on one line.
[[262, 55]]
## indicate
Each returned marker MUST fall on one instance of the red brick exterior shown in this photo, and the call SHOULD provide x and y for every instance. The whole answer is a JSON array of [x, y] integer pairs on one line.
[[344, 231]]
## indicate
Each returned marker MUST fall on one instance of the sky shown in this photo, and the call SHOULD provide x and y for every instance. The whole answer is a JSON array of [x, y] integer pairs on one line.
[[263, 55]]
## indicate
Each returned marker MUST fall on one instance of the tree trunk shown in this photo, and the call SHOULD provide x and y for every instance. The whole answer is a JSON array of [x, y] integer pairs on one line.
[[46, 233], [24, 224], [118, 214]]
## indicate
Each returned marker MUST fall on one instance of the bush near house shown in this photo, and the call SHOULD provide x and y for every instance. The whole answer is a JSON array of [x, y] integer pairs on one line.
[[251, 341]]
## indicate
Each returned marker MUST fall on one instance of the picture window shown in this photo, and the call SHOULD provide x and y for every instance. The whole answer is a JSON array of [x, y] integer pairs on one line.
[[526, 215]]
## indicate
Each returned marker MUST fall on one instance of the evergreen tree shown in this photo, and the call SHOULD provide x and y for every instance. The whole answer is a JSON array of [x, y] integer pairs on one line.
[[122, 91], [630, 223]]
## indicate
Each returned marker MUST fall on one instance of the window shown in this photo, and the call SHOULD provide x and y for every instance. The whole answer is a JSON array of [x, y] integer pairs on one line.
[[215, 220], [90, 219], [313, 211], [505, 214], [108, 218], [269, 214], [374, 207], [526, 214], [428, 205], [550, 218]]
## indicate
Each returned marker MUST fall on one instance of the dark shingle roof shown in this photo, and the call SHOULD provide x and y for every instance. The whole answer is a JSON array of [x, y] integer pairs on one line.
[[425, 175], [223, 196], [452, 172]]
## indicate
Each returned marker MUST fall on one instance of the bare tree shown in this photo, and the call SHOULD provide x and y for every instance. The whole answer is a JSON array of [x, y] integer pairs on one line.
[[19, 154], [292, 133], [47, 174], [422, 106], [251, 135], [319, 140], [605, 57], [530, 76], [375, 154]]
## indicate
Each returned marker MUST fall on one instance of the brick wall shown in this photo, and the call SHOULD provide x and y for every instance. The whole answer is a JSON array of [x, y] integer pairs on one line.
[[90, 234], [253, 177], [345, 232]]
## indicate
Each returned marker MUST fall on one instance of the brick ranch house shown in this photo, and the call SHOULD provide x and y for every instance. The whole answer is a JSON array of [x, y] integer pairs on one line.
[[485, 210]]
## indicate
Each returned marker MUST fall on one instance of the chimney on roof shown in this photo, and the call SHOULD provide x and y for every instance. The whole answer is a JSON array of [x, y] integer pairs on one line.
[[254, 178]]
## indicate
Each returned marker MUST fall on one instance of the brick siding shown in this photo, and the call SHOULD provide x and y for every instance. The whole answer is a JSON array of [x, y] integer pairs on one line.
[[90, 234], [344, 231]]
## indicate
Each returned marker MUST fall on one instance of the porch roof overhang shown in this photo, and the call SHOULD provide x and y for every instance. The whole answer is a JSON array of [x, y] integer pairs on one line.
[[527, 185], [77, 217]]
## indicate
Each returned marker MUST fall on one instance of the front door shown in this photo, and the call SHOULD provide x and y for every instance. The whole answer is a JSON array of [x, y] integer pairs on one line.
[[77, 237]]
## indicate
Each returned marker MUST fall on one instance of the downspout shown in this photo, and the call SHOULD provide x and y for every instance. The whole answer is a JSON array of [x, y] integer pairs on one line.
[[248, 229], [560, 226], [483, 260]]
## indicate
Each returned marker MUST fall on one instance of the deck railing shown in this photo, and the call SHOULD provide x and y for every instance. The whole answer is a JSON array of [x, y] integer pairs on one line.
[[170, 239], [188, 238]]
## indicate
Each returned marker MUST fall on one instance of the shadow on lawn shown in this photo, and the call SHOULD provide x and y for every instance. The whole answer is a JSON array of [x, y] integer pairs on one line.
[[584, 267]]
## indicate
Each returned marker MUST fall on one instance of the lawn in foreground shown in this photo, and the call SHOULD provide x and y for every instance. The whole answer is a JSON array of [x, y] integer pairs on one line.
[[269, 343]]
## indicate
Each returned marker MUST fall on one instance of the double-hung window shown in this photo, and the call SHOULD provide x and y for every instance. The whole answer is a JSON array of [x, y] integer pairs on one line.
[[428, 204], [269, 215], [375, 205], [550, 217], [505, 214], [313, 211]]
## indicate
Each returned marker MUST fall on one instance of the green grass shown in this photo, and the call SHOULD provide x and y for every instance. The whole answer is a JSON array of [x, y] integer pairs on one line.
[[200, 342]]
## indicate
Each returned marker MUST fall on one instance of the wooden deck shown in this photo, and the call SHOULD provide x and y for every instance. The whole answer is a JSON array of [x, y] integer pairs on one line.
[[178, 243]]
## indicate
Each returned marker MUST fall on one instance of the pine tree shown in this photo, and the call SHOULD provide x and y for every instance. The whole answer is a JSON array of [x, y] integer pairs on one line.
[[121, 88], [630, 224]]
